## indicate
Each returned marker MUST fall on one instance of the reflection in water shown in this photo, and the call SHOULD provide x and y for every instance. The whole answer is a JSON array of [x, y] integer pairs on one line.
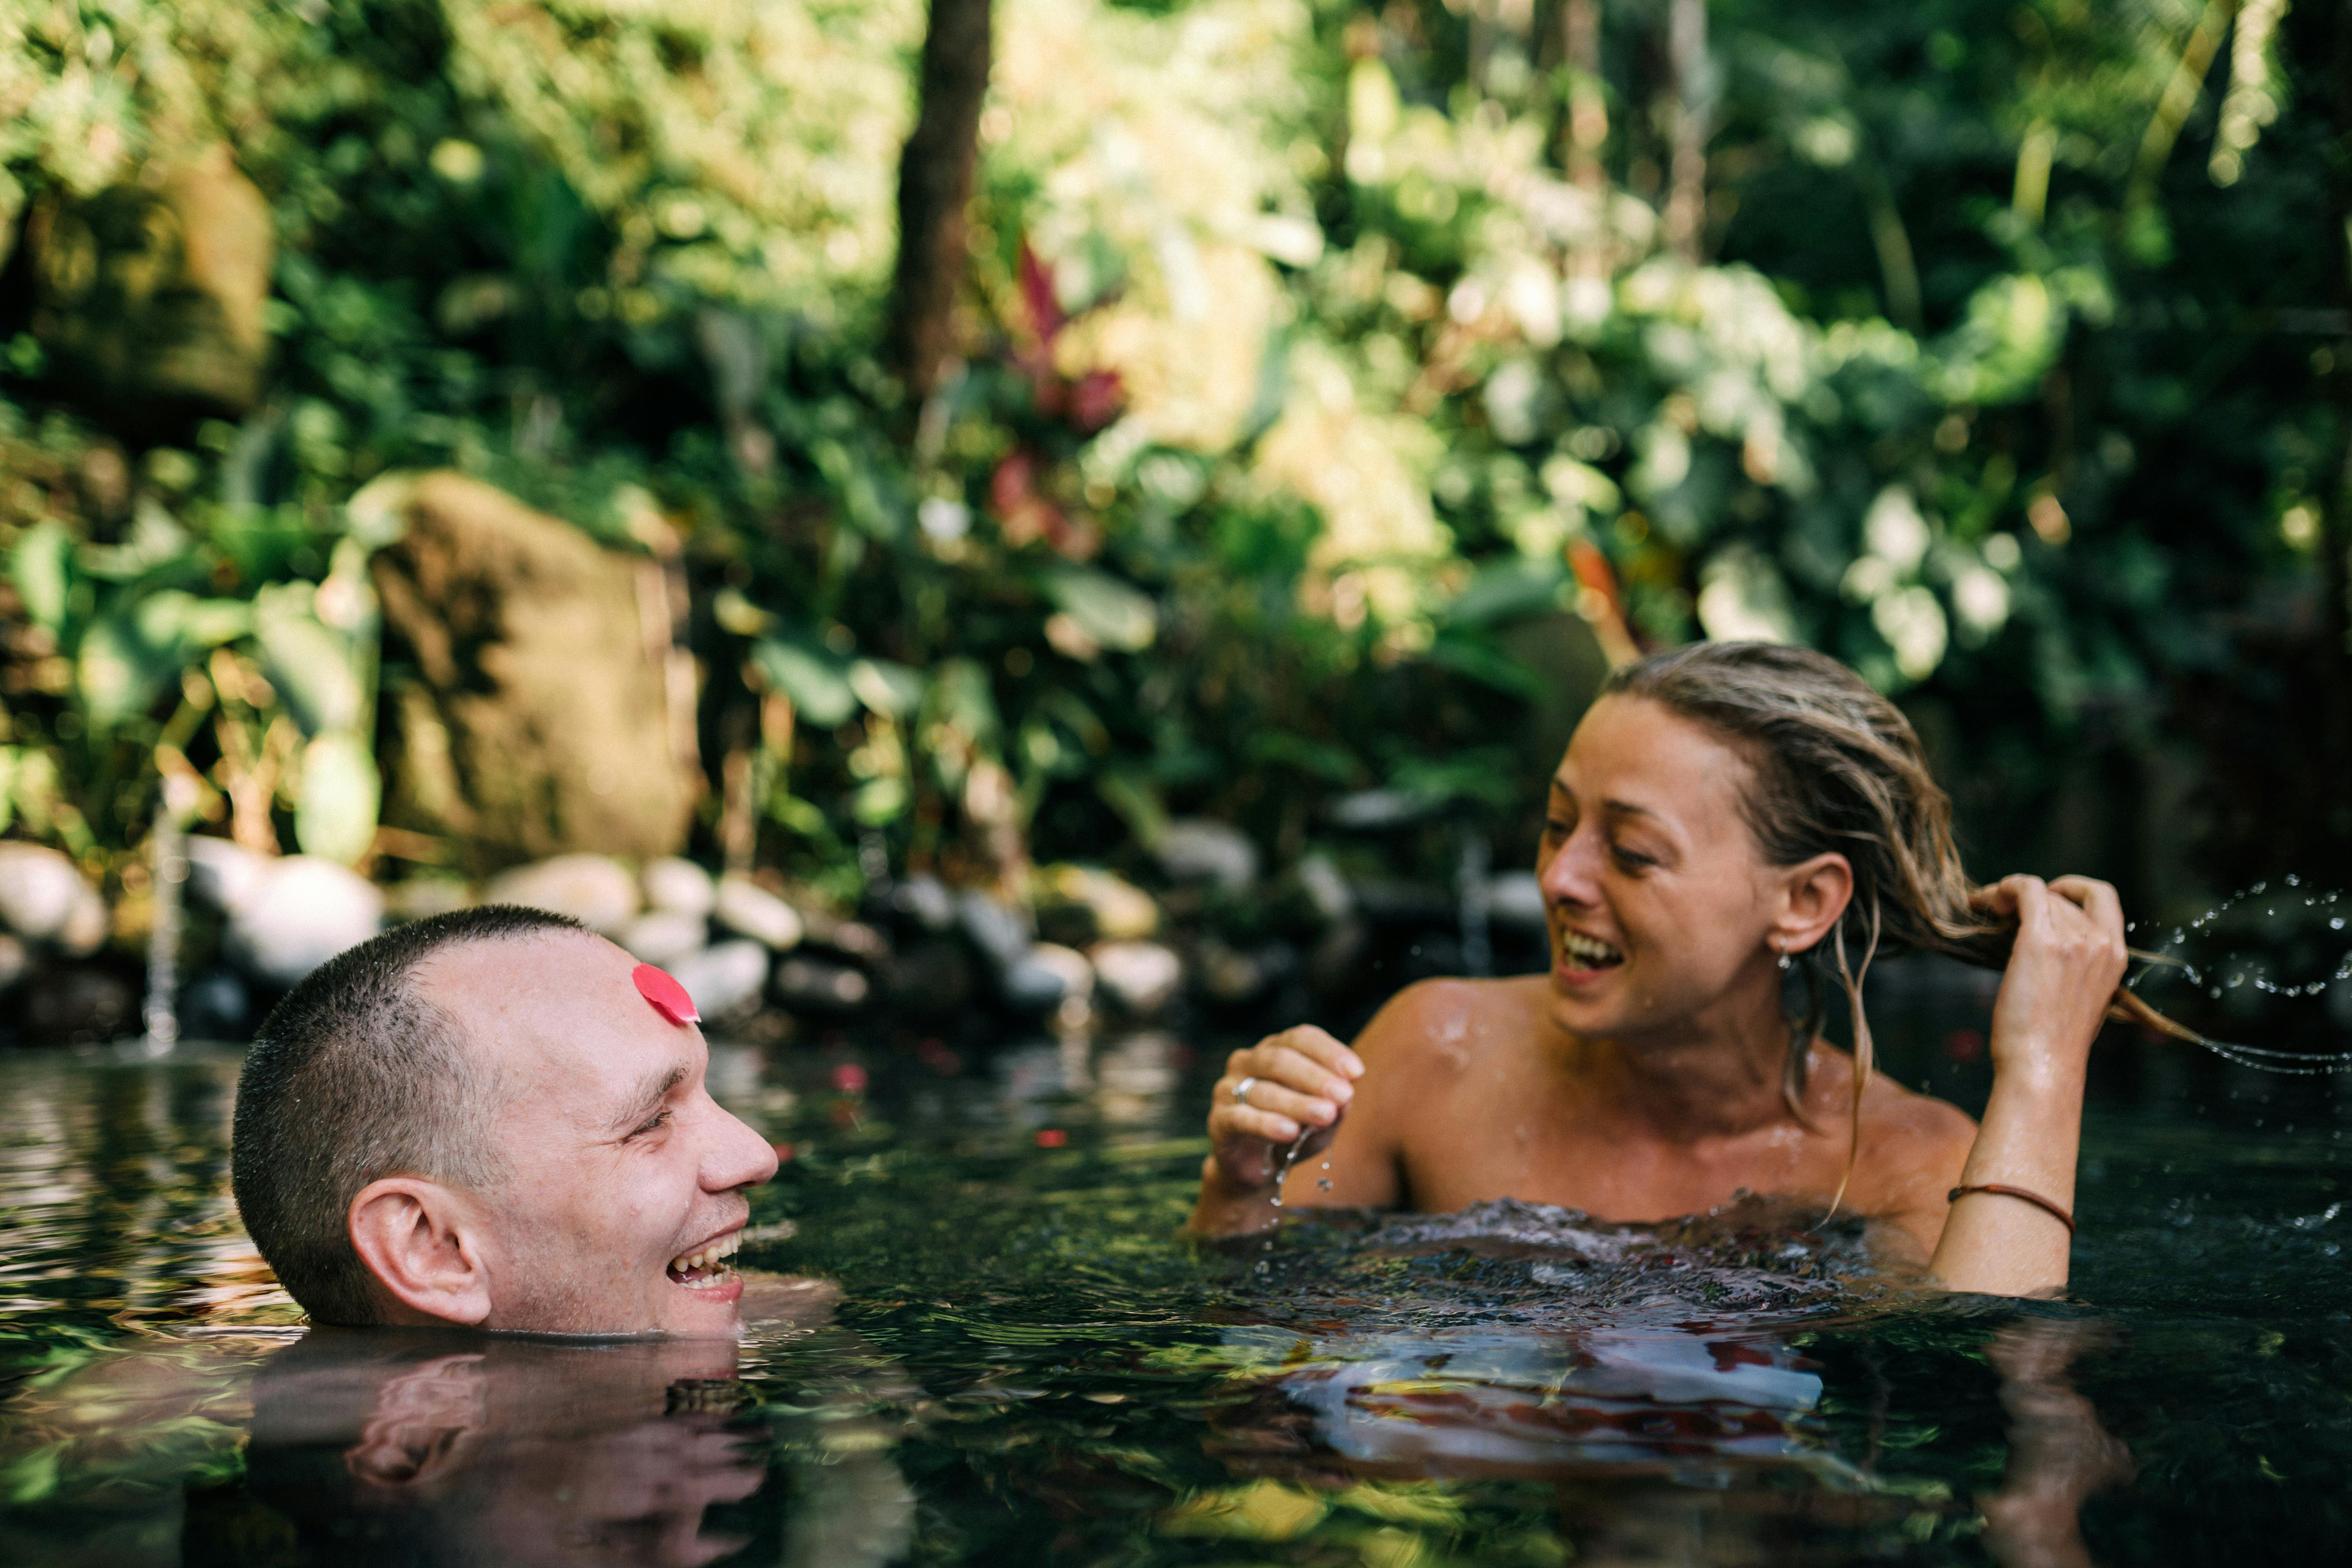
[[1032, 1365]]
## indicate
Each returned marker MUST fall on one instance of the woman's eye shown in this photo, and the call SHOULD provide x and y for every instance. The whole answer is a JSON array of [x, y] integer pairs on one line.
[[1557, 828], [1629, 859]]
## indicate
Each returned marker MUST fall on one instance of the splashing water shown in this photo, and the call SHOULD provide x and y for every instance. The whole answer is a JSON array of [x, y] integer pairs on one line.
[[2272, 961]]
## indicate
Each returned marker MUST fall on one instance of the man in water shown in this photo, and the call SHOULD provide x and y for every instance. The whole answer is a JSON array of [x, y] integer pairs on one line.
[[496, 1119]]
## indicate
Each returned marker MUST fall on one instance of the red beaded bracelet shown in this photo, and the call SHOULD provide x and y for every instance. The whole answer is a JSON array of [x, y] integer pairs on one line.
[[2036, 1199]]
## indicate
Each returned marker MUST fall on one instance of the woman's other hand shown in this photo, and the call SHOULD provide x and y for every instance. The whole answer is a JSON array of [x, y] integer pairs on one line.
[[1301, 1079], [2069, 958]]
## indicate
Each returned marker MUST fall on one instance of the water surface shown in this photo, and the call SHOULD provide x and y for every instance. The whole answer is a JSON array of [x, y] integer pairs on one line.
[[1028, 1363]]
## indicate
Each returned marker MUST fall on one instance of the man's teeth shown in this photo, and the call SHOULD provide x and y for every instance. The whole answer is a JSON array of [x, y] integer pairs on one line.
[[710, 1258], [1586, 952]]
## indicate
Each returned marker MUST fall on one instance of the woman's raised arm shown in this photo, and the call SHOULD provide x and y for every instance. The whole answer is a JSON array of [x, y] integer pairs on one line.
[[2068, 960]]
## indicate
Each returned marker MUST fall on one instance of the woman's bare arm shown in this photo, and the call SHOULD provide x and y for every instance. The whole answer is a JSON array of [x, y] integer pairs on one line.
[[2068, 961], [1306, 1081]]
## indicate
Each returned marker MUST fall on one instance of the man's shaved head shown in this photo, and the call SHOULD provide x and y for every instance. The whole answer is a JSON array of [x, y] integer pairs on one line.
[[354, 1076]]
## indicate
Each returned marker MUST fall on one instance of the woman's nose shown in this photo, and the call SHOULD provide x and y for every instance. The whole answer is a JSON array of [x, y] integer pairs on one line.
[[1572, 874]]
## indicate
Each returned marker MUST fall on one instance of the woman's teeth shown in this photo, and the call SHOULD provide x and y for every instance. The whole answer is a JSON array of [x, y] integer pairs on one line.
[[1585, 953], [707, 1268]]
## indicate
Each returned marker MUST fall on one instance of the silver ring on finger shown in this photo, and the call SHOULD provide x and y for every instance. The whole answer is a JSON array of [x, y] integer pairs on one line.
[[1241, 1091]]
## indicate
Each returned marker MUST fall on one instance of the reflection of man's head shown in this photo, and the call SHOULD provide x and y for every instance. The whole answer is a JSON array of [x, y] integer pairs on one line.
[[405, 1448], [478, 1120]]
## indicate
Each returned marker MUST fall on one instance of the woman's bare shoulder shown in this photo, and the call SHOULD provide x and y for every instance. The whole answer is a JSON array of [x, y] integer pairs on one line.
[[1914, 1144], [1442, 1022]]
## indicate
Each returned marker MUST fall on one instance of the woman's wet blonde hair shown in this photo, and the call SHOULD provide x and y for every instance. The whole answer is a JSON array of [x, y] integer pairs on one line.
[[1838, 769]]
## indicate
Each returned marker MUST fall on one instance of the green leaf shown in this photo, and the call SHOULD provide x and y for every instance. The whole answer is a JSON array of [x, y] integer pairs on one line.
[[813, 676], [120, 670], [1107, 610], [893, 691], [41, 566], [313, 666], [341, 795]]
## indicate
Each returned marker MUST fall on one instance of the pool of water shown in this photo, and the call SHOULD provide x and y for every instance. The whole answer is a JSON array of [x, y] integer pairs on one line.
[[1027, 1362]]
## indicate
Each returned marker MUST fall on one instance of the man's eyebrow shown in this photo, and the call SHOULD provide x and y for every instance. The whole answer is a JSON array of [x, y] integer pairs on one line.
[[648, 1097]]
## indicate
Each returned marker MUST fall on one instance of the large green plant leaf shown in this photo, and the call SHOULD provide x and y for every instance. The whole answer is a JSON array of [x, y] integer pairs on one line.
[[315, 669], [813, 676], [1106, 609], [41, 567], [341, 795]]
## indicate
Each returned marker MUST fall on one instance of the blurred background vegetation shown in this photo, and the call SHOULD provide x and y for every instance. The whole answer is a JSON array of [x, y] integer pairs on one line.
[[1028, 423]]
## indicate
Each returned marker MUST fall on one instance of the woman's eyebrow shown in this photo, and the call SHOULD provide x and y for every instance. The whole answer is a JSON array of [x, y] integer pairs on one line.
[[1627, 808]]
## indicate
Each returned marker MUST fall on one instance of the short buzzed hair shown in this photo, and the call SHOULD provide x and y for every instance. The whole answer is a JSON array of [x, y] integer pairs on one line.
[[356, 1076]]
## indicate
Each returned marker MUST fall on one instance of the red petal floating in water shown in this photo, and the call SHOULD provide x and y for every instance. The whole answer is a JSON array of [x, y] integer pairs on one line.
[[668, 997]]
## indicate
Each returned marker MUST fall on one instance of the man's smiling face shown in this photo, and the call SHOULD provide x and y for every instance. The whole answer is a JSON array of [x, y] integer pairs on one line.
[[619, 1166]]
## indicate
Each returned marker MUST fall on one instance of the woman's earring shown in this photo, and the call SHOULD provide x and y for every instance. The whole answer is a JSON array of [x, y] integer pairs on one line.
[[1784, 958]]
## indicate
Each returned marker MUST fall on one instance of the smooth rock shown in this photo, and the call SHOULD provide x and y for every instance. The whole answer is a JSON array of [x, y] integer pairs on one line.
[[1196, 849], [1514, 899], [806, 984], [1231, 977], [926, 902], [1036, 984], [1122, 912], [1326, 889], [14, 960], [747, 908], [724, 979], [998, 932], [224, 874], [664, 937], [1140, 976], [306, 910], [677, 885], [594, 890], [852, 939], [41, 890], [86, 926]]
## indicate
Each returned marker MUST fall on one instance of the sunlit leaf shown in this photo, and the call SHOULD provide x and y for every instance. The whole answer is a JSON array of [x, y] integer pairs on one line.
[[1106, 609], [815, 678]]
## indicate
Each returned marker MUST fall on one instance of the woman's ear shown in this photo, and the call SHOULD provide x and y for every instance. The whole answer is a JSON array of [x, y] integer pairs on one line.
[[422, 1244], [1814, 895]]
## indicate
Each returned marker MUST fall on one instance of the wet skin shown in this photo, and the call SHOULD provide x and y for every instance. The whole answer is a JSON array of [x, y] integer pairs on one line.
[[617, 1159], [1642, 1079]]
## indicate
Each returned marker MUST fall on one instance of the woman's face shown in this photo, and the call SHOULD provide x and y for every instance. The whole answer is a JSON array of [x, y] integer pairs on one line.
[[1658, 903]]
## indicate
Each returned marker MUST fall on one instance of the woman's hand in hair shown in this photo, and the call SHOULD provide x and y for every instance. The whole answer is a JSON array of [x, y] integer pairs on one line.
[[2069, 959], [1304, 1079]]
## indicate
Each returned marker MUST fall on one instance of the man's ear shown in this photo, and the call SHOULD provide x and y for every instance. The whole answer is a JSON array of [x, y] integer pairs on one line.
[[1815, 894], [419, 1420], [423, 1245]]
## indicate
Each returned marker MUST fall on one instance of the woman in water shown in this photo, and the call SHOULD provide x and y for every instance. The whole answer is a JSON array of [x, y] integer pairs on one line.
[[1724, 811]]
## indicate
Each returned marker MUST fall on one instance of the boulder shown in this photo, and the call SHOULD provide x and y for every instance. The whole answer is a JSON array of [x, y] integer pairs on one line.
[[724, 979], [78, 1003], [925, 901], [664, 937], [41, 891], [216, 1006], [1045, 977], [150, 295], [1120, 910], [13, 962], [222, 874], [1142, 977], [1195, 849], [594, 890], [550, 716], [1326, 889], [998, 931], [745, 907], [678, 886], [306, 910], [929, 979], [806, 984]]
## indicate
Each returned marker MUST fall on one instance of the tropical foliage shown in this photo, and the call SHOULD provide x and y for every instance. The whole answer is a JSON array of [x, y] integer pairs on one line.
[[1316, 358]]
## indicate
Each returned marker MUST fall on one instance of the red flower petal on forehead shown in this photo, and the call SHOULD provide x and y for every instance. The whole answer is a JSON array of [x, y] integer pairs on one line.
[[668, 997]]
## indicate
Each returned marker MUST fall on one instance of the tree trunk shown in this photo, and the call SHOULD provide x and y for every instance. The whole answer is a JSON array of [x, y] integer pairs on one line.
[[1588, 103], [935, 180], [1694, 74]]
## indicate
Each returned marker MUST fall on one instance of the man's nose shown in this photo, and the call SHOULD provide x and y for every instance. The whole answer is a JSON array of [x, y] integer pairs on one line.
[[738, 1157]]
